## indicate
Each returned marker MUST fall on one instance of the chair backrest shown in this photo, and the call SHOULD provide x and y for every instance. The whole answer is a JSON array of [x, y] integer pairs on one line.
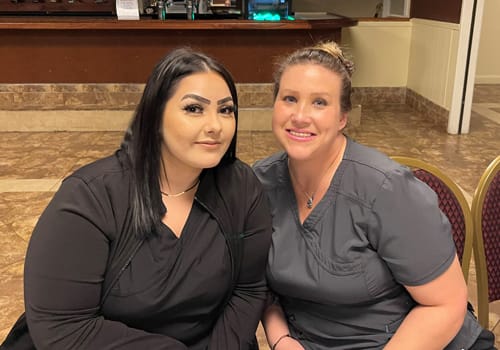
[[452, 203], [486, 217]]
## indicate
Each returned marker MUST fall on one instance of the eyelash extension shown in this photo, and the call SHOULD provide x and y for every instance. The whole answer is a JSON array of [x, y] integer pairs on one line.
[[190, 107], [229, 109], [197, 109]]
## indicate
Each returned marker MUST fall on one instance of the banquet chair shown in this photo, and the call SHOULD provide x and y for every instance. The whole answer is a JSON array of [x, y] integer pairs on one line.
[[486, 217], [452, 203]]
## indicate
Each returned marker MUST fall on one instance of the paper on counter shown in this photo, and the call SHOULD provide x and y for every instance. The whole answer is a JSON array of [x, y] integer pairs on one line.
[[127, 9]]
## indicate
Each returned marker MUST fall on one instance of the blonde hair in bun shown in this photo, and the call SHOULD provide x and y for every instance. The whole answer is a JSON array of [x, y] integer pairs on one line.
[[332, 48]]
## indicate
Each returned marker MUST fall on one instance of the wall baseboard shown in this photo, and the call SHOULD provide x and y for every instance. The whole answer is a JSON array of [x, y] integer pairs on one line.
[[487, 79], [428, 109]]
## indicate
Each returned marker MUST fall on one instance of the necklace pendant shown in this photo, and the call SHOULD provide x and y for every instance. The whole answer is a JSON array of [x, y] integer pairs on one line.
[[309, 203]]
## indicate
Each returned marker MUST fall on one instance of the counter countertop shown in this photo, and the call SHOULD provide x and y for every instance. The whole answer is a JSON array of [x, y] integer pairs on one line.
[[112, 23]]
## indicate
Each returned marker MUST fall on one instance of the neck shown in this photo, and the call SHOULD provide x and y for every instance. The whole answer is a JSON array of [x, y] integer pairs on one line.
[[309, 171], [313, 190], [174, 181], [177, 194]]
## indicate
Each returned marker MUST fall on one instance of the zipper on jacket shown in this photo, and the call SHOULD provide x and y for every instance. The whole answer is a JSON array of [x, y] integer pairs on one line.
[[115, 279], [226, 238]]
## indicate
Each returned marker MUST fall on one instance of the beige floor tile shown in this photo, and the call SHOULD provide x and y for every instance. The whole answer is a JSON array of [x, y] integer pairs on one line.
[[29, 185], [33, 163]]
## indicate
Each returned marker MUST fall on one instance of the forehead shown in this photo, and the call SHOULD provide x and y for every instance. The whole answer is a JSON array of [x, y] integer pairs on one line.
[[311, 79], [202, 82], [302, 72]]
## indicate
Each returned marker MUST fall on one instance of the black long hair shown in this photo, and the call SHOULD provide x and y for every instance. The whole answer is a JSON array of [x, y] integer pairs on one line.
[[142, 140]]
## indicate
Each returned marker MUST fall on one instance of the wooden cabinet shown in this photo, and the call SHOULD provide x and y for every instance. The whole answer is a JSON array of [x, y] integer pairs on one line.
[[101, 50], [57, 7]]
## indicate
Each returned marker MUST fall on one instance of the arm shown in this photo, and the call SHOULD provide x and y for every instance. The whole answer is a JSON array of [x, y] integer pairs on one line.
[[276, 327], [235, 329], [439, 314], [414, 238], [64, 270]]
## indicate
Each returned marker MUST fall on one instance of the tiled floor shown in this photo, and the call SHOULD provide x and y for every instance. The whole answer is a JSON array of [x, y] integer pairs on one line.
[[33, 164]]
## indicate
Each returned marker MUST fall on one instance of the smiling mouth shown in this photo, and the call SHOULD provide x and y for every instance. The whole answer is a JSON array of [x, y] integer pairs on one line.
[[210, 143], [299, 134]]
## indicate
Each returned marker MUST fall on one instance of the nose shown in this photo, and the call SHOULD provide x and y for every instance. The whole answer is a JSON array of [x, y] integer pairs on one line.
[[213, 123], [301, 113]]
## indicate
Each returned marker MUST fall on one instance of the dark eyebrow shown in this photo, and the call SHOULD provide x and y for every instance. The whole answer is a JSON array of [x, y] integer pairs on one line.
[[224, 100], [196, 97]]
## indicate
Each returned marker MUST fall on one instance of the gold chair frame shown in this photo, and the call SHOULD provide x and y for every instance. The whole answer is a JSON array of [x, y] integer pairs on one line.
[[478, 246], [462, 201]]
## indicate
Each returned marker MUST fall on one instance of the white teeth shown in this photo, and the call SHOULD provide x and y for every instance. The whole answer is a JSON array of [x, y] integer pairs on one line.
[[300, 134]]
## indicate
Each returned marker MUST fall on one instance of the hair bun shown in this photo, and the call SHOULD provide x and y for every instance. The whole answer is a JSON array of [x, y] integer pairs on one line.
[[333, 49]]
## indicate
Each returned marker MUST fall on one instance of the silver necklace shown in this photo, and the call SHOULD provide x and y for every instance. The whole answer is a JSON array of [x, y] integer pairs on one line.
[[310, 197]]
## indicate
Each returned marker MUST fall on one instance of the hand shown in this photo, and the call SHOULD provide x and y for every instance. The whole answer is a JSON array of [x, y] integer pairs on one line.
[[289, 343]]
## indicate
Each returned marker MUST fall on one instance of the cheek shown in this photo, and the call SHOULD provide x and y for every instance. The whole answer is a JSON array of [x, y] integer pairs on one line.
[[229, 126], [280, 113], [275, 121], [232, 125], [178, 133]]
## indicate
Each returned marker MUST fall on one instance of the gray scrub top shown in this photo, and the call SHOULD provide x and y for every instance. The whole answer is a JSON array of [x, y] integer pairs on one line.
[[340, 275]]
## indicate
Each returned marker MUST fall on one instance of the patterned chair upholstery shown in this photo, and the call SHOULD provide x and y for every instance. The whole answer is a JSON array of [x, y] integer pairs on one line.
[[486, 216], [452, 203]]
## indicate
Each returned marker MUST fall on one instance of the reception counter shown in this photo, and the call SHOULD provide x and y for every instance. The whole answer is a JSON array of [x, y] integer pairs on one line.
[[107, 50]]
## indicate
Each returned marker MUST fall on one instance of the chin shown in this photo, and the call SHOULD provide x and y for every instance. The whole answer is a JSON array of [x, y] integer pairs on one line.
[[298, 157], [208, 163], [298, 152]]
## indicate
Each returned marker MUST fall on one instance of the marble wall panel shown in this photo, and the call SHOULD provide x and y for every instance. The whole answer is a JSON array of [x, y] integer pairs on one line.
[[103, 96], [427, 108], [116, 97]]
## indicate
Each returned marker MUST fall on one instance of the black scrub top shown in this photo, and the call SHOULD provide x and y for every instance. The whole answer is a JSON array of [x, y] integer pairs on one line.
[[176, 286], [176, 293]]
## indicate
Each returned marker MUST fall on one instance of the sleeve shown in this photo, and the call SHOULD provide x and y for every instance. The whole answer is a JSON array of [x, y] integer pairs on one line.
[[409, 231], [235, 329], [64, 270]]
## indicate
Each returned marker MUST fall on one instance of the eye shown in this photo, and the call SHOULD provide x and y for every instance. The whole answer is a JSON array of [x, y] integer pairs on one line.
[[193, 109], [289, 99], [228, 110], [321, 102]]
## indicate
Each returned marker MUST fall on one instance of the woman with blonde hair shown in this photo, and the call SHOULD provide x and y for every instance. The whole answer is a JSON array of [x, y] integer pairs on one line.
[[361, 256]]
